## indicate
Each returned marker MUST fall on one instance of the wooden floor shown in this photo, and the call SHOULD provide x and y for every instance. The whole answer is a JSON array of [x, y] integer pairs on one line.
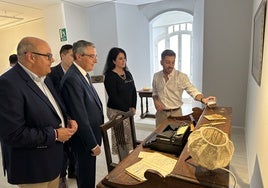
[[144, 127]]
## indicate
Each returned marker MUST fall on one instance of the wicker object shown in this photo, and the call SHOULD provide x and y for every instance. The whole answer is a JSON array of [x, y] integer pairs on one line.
[[210, 147]]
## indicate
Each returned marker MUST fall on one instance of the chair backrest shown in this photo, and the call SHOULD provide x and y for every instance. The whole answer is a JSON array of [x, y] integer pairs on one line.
[[117, 124]]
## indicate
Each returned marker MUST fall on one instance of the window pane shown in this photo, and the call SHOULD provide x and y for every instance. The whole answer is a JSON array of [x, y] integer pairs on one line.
[[189, 27], [175, 47], [185, 58], [183, 27], [170, 29], [177, 27], [160, 49], [185, 54]]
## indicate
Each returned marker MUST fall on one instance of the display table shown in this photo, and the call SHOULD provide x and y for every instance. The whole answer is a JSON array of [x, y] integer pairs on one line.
[[186, 173], [145, 94]]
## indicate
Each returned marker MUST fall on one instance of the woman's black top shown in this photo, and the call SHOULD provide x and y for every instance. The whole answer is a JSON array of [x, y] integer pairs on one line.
[[121, 91]]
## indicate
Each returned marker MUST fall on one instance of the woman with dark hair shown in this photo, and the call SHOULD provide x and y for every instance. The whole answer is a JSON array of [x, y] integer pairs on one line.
[[121, 90]]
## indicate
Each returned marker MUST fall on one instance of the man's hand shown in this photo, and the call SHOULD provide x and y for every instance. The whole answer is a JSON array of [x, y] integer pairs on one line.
[[64, 134], [209, 101], [72, 125], [133, 110], [96, 151], [158, 104]]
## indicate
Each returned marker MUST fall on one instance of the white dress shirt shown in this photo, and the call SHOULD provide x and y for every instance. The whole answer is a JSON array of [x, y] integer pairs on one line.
[[170, 92], [41, 84]]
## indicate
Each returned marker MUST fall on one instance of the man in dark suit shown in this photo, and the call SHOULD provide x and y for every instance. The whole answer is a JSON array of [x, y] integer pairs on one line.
[[84, 105], [13, 60], [57, 72], [32, 119]]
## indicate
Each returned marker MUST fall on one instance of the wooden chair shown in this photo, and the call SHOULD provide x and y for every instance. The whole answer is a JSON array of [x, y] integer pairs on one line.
[[117, 124]]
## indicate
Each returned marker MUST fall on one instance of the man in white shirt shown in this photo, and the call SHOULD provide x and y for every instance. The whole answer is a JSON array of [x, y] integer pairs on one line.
[[168, 86]]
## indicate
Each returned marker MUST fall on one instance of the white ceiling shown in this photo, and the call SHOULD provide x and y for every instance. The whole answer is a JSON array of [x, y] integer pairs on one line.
[[15, 12]]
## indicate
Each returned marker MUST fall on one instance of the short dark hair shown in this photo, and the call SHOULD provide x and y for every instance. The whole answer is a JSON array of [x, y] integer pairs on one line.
[[65, 48], [167, 53], [13, 59]]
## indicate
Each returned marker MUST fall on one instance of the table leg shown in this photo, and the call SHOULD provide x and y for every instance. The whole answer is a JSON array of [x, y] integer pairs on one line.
[[147, 110], [142, 115]]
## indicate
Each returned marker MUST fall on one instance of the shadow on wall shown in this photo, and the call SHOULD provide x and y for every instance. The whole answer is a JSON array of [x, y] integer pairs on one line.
[[256, 177]]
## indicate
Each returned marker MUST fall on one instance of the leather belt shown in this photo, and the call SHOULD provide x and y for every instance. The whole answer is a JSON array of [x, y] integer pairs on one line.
[[171, 110]]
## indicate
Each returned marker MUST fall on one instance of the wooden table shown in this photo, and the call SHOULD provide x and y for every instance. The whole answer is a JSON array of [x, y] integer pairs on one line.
[[145, 94], [186, 174]]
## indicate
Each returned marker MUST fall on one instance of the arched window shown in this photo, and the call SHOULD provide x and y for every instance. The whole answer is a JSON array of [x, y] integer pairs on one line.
[[173, 30]]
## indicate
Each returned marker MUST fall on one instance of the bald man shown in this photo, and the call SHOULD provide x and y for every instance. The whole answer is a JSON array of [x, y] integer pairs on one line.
[[33, 120]]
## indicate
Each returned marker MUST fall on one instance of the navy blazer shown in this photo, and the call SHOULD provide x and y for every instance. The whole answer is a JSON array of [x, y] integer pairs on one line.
[[28, 119], [56, 75], [83, 107]]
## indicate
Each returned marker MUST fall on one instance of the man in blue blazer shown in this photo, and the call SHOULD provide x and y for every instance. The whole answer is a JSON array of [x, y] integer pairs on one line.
[[84, 105], [32, 119]]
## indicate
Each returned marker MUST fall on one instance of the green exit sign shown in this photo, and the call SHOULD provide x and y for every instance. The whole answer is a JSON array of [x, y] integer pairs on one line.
[[63, 35]]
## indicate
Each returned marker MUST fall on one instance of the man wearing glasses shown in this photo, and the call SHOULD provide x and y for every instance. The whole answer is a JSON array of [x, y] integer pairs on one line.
[[84, 105], [33, 120]]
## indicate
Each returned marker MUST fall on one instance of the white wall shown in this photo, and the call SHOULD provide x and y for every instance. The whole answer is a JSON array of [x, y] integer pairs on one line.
[[227, 30], [54, 20], [77, 24], [256, 118], [133, 36], [151, 10], [11, 37], [102, 31], [46, 28], [198, 41]]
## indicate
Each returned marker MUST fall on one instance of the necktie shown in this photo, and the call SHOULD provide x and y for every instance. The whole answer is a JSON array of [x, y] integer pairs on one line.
[[89, 80], [93, 90]]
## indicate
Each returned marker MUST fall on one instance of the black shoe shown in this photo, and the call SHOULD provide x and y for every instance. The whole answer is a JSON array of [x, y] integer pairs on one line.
[[63, 183], [71, 175]]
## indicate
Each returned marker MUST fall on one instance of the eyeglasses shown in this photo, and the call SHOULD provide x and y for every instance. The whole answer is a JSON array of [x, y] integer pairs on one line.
[[48, 55], [91, 56]]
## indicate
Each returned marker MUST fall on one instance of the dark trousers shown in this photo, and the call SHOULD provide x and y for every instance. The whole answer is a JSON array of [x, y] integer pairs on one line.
[[68, 161], [86, 167]]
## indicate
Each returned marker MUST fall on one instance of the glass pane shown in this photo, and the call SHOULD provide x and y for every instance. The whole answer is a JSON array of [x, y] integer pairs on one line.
[[186, 58], [170, 29], [175, 47], [185, 54], [183, 27], [177, 27], [160, 49], [189, 27]]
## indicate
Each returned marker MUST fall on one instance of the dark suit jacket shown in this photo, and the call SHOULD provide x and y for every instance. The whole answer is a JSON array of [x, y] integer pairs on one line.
[[83, 107], [56, 75], [28, 119]]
